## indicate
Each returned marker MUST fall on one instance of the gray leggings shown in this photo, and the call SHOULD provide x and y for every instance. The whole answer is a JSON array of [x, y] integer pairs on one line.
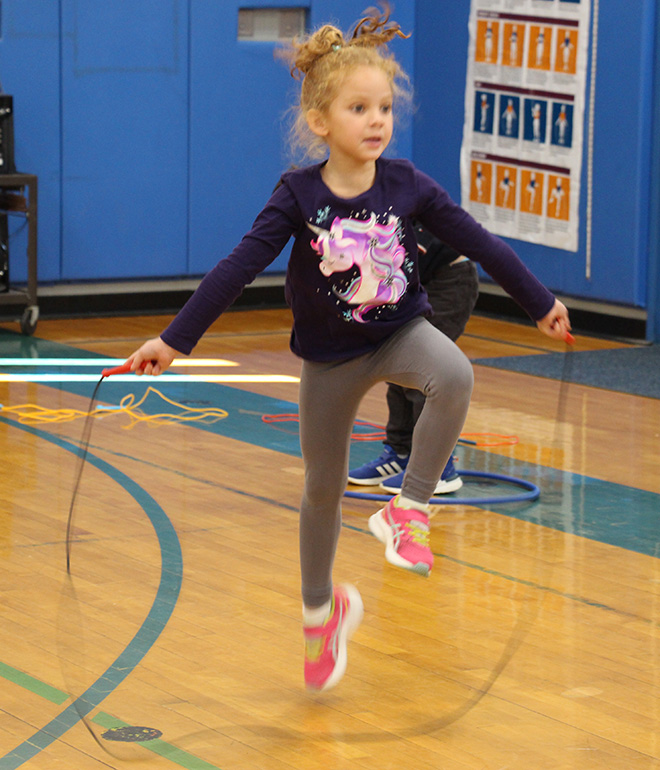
[[417, 356]]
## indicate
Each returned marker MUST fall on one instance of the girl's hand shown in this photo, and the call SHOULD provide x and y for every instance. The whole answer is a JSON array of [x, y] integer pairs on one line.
[[154, 357], [556, 323]]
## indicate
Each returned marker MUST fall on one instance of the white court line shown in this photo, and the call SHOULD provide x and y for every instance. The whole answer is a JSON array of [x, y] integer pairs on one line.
[[228, 378], [103, 362]]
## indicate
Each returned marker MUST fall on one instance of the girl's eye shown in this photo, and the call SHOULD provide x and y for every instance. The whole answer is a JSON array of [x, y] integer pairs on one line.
[[358, 108], [386, 109]]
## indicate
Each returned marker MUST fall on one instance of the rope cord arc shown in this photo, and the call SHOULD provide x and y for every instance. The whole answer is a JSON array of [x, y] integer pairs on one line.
[[163, 604]]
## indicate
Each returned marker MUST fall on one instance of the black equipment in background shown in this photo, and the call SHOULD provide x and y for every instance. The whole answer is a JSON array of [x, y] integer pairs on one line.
[[7, 165], [4, 253]]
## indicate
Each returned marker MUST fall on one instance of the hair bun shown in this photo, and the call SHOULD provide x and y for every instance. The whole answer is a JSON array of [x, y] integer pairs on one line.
[[325, 40]]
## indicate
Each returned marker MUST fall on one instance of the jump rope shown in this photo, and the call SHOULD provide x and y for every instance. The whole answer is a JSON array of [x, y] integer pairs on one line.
[[70, 605], [529, 610], [524, 622], [125, 740], [82, 456]]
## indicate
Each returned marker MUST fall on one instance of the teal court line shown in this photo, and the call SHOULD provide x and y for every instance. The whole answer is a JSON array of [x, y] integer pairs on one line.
[[244, 423], [536, 519], [610, 513], [160, 612], [189, 761], [618, 515], [64, 721], [168, 750]]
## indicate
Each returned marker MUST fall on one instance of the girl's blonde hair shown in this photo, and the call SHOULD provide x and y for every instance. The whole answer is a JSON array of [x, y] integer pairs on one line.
[[325, 57]]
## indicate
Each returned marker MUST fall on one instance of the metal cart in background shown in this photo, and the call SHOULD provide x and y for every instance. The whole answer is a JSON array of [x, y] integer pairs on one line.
[[18, 196]]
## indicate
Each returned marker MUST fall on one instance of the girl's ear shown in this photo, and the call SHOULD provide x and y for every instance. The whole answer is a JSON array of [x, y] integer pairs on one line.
[[316, 122]]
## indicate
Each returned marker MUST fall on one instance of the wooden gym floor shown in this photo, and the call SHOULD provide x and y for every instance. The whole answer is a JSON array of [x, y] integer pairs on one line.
[[534, 645]]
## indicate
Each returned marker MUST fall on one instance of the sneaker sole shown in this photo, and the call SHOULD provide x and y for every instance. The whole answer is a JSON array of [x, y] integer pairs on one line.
[[452, 485], [442, 488], [349, 627], [380, 529], [371, 482]]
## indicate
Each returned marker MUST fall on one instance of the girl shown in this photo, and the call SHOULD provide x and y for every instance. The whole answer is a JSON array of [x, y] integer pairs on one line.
[[358, 310]]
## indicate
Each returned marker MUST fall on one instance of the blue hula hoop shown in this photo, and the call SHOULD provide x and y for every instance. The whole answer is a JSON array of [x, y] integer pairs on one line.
[[532, 493]]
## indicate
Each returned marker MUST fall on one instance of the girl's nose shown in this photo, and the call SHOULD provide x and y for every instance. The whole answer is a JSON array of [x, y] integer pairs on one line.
[[376, 117]]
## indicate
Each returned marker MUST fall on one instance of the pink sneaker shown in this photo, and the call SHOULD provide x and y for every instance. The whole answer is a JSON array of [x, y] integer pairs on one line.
[[405, 533], [325, 646]]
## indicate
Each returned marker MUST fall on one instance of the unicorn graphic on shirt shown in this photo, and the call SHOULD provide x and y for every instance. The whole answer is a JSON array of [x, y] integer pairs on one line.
[[374, 249]]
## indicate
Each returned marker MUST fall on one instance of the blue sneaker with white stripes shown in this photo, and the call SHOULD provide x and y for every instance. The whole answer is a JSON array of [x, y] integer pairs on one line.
[[450, 481], [388, 465]]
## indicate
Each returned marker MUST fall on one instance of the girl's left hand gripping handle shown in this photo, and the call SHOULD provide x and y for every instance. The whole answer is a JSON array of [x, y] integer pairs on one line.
[[123, 369]]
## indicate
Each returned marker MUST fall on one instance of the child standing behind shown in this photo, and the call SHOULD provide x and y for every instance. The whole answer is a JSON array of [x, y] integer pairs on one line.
[[359, 311], [451, 283]]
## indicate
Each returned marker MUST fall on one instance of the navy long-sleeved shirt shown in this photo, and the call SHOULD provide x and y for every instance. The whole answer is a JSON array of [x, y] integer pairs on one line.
[[352, 278]]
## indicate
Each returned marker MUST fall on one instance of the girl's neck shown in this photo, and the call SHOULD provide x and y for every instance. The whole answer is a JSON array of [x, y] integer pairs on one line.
[[346, 180]]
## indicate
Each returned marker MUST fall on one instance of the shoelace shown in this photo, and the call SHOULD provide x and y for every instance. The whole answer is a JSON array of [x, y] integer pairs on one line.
[[314, 647], [335, 637], [418, 532]]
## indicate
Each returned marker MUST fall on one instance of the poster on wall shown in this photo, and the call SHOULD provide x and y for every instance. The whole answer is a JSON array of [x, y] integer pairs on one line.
[[521, 156]]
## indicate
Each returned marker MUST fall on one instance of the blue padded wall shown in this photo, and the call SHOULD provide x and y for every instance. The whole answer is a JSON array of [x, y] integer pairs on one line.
[[238, 95], [30, 71], [653, 308], [124, 138], [240, 104], [157, 135]]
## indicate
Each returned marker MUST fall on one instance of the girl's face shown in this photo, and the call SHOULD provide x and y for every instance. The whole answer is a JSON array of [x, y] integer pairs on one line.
[[358, 124]]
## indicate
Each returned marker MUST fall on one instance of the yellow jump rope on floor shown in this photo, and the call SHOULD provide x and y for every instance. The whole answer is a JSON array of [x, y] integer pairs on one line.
[[32, 414]]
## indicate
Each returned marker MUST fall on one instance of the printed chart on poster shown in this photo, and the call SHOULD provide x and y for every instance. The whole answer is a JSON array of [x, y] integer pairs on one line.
[[521, 157]]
